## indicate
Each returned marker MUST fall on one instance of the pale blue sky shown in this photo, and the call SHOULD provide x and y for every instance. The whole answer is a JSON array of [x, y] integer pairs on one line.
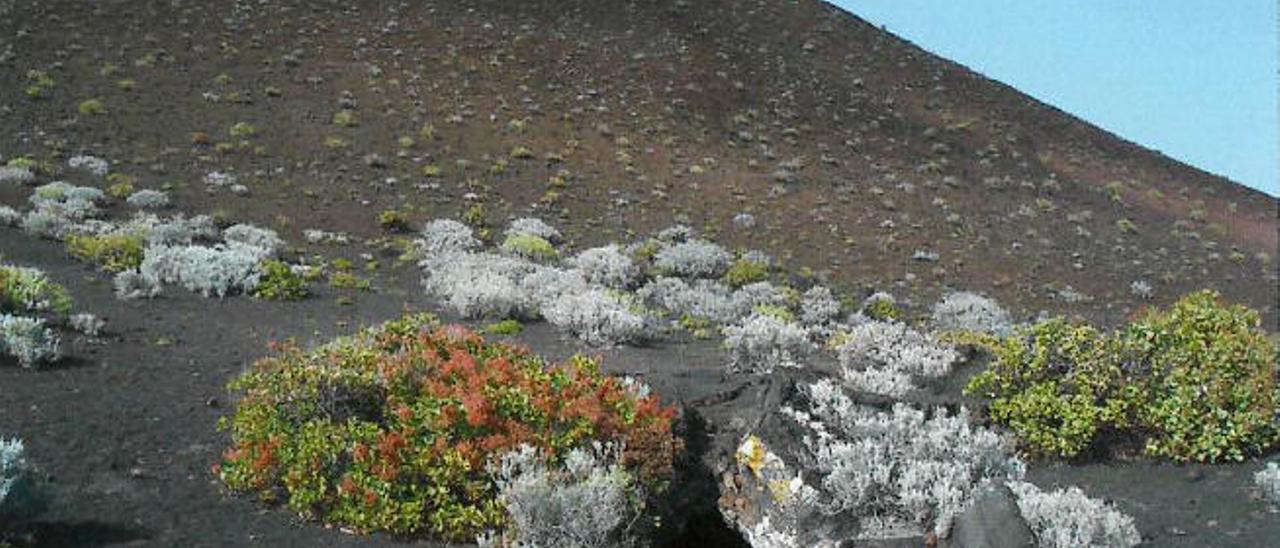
[[1194, 79]]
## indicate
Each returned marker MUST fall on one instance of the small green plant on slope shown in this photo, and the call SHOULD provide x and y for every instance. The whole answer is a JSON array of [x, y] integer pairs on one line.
[[111, 252], [280, 283]]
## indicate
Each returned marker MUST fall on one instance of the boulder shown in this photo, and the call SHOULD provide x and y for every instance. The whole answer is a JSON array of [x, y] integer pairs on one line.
[[992, 521]]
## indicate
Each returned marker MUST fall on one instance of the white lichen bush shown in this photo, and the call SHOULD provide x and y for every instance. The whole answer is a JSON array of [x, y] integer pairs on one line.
[[9, 216], [261, 242], [607, 266], [1067, 518], [47, 223], [1142, 290], [134, 284], [218, 179], [92, 164], [28, 340], [597, 317], [965, 311], [446, 236], [546, 284], [587, 502], [1268, 480], [708, 299], [882, 357], [531, 226], [751, 296], [899, 468], [763, 342], [693, 259], [218, 270], [818, 307], [180, 230], [88, 324], [16, 175], [477, 285], [675, 234], [20, 494], [148, 199]]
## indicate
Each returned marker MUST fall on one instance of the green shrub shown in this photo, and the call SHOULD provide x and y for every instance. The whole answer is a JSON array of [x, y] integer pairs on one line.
[[92, 107], [345, 118], [504, 327], [745, 271], [1194, 383], [242, 130], [27, 290], [279, 283], [343, 279], [392, 429], [882, 309], [121, 190], [1058, 386], [111, 252], [1212, 380], [530, 247], [393, 221]]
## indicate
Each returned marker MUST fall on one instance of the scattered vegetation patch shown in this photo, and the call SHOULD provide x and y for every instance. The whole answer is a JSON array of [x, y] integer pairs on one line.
[[393, 429], [746, 271], [531, 247], [505, 327], [92, 107]]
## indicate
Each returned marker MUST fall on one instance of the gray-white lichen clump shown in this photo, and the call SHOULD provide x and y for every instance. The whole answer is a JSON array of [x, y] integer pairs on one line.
[[28, 340], [965, 311]]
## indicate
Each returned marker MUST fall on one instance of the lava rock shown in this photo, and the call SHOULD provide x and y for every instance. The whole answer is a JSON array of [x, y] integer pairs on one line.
[[992, 521]]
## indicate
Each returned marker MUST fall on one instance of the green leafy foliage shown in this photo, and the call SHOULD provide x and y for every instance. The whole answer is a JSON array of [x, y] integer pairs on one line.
[[883, 310], [504, 327], [26, 290], [746, 271], [280, 283], [530, 247], [392, 429], [111, 252], [1196, 383]]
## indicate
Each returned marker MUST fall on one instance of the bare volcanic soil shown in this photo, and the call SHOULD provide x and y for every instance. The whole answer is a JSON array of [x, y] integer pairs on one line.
[[861, 161]]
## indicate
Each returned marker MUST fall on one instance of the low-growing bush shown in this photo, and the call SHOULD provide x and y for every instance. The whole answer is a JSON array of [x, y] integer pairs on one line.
[[21, 496], [218, 270], [393, 429], [1067, 518], [1196, 382], [534, 248], [262, 242], [964, 311], [25, 290], [148, 199], [607, 266], [280, 283], [881, 306], [596, 317], [745, 271], [884, 357], [28, 340], [134, 284], [393, 220], [447, 236], [111, 252], [533, 227], [692, 259], [504, 327], [762, 343], [589, 501], [1268, 481]]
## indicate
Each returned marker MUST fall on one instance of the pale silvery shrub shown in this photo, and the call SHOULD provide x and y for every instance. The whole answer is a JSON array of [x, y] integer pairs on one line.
[[87, 323], [750, 296], [1141, 289], [218, 179], [262, 242], [218, 270], [675, 234], [534, 227], [20, 494], [16, 175], [596, 317], [317, 236], [47, 223], [894, 348], [607, 266], [707, 299], [546, 284], [92, 164], [693, 259], [818, 307], [148, 199], [763, 342], [9, 216], [1268, 480], [180, 230], [477, 285], [447, 236], [898, 467], [965, 311], [1070, 519], [28, 340], [588, 502]]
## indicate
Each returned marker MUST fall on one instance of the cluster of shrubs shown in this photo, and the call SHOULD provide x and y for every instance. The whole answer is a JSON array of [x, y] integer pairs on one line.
[[147, 251], [1195, 382], [417, 428], [909, 470], [29, 299]]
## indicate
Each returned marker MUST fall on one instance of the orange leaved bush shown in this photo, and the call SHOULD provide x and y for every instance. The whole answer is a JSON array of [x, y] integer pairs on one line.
[[393, 429]]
